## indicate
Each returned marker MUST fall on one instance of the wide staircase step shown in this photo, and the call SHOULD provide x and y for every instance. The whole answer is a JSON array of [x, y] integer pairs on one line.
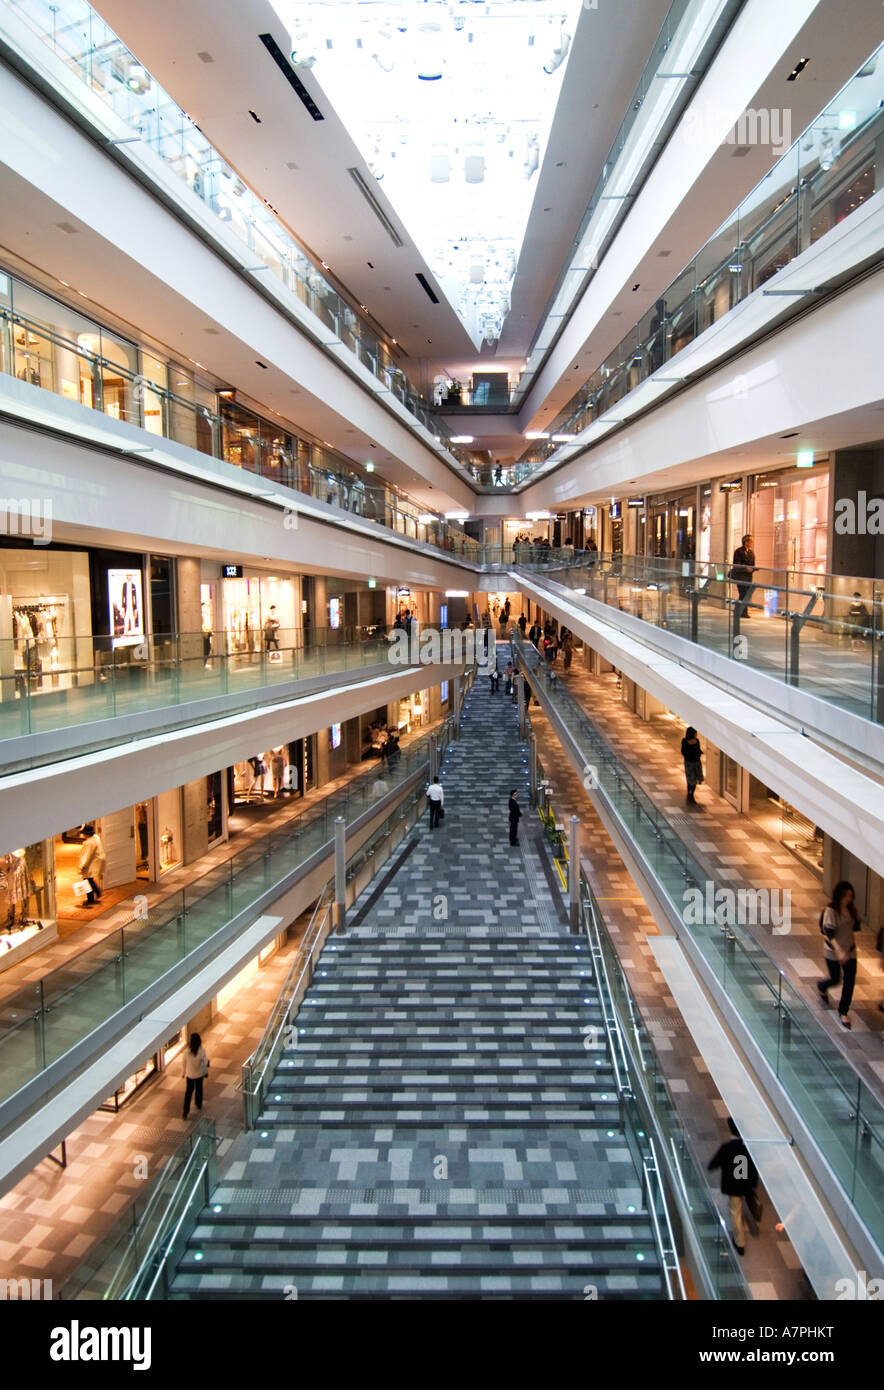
[[445, 1123], [482, 1051]]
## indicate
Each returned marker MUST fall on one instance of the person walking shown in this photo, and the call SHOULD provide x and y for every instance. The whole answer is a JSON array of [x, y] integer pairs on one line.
[[271, 630], [549, 652], [195, 1071], [515, 813], [523, 623], [693, 766], [567, 648], [839, 923], [436, 798], [91, 864], [741, 572], [739, 1182], [494, 680], [534, 635], [508, 682]]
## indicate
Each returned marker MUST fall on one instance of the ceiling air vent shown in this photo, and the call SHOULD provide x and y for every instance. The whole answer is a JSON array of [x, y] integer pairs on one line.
[[290, 75], [375, 207], [424, 284]]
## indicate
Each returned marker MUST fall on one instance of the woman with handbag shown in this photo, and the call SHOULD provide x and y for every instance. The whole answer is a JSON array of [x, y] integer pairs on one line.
[[195, 1071], [692, 754], [91, 863], [839, 923]]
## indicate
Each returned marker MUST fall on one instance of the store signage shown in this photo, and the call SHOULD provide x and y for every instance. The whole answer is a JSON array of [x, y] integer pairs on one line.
[[734, 486], [636, 502], [615, 511], [231, 571]]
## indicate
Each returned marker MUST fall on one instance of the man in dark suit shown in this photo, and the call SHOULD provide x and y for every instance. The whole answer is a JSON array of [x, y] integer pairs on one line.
[[515, 812], [742, 570]]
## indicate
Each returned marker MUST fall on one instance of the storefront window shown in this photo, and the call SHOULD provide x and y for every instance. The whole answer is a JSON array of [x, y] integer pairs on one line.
[[45, 619], [214, 807], [162, 595], [259, 615], [790, 517], [142, 839], [168, 811], [786, 824]]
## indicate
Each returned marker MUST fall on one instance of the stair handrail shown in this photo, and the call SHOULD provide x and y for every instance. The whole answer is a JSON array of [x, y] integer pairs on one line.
[[666, 1248], [256, 1068], [190, 1194]]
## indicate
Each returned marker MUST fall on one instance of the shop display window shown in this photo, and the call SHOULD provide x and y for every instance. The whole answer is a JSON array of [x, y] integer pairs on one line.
[[27, 902], [168, 811], [130, 1086], [45, 620]]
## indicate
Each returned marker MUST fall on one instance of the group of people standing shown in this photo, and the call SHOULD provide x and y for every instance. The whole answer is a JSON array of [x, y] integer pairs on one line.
[[549, 641]]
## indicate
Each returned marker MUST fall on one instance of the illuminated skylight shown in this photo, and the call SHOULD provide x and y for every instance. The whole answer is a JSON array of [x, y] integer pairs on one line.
[[451, 104]]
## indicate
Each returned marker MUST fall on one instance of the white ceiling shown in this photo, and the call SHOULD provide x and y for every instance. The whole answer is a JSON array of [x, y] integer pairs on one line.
[[319, 201]]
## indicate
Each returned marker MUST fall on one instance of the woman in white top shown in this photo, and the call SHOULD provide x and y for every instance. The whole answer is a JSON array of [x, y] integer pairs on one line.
[[195, 1071]]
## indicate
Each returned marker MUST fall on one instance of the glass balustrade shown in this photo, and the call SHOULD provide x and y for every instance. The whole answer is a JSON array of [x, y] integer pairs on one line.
[[46, 344], [840, 1110], [809, 630], [98, 680], [656, 1113], [92, 53], [825, 176], [42, 1021]]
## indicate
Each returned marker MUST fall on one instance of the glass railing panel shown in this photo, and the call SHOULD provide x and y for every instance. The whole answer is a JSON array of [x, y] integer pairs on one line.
[[819, 633], [41, 692], [818, 182], [93, 53], [42, 1022], [821, 1082]]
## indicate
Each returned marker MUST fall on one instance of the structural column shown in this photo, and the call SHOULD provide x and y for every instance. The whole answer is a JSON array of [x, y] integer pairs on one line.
[[340, 872], [574, 875]]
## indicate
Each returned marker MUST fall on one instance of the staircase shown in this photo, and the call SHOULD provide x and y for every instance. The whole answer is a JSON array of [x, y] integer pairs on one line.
[[440, 1130]]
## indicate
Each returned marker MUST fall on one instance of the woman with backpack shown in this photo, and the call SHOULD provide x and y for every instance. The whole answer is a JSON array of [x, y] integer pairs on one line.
[[839, 923]]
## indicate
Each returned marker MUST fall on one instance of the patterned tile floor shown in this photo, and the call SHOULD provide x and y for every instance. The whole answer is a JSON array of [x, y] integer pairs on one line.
[[521, 1143], [743, 853], [247, 824], [770, 1265], [52, 1217]]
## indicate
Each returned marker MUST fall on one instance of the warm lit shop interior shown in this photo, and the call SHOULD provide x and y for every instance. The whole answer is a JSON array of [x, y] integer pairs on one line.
[[245, 612]]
